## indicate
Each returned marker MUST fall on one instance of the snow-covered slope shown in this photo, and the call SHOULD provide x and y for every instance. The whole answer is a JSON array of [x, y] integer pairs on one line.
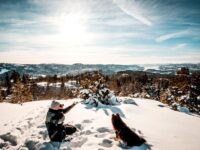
[[22, 127]]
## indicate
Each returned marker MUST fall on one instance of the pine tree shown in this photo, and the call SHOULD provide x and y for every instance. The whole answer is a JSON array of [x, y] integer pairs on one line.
[[21, 93], [1, 97], [8, 85], [48, 92], [62, 89], [195, 86], [34, 91], [25, 79], [183, 71], [15, 76], [55, 78]]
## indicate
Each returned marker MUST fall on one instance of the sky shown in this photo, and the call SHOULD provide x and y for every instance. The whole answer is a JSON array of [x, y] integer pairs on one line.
[[99, 31]]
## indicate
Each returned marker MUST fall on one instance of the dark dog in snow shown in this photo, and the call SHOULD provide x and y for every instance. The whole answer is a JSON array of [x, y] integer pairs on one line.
[[124, 133]]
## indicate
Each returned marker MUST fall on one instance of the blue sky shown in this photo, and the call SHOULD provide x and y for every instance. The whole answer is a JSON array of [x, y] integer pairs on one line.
[[100, 31]]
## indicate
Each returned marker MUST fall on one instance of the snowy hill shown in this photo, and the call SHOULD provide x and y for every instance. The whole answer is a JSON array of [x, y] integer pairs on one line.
[[23, 128], [63, 69]]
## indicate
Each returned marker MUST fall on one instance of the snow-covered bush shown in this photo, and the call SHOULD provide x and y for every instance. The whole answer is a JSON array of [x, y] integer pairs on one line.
[[98, 95]]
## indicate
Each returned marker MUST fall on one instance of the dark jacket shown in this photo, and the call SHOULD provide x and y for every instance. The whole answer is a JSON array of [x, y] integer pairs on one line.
[[54, 123]]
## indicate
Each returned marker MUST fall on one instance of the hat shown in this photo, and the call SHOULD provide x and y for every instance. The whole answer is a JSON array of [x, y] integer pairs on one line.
[[55, 103]]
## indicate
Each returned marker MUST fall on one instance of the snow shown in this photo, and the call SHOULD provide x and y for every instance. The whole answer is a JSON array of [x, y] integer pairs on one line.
[[129, 101], [146, 67], [42, 84], [69, 84], [136, 95], [185, 97], [22, 126], [85, 91], [3, 71], [183, 109], [198, 98]]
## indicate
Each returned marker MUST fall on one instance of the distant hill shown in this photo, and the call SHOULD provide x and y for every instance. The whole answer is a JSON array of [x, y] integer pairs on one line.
[[62, 69]]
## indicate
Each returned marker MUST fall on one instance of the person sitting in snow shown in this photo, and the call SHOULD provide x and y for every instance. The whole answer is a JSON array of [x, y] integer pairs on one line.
[[57, 131]]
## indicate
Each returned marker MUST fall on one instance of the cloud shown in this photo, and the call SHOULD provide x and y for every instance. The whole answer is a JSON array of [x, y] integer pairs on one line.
[[179, 46], [17, 22], [190, 32], [70, 57], [172, 35], [132, 10]]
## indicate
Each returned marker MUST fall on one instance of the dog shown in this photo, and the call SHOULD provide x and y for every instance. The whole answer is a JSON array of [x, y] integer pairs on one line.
[[124, 133]]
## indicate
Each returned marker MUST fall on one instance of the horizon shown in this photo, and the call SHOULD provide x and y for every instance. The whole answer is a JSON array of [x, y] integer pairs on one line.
[[105, 64], [119, 32], [100, 64]]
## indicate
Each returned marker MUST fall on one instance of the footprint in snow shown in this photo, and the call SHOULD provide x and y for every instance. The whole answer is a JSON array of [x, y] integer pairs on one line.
[[78, 142], [87, 121], [103, 130], [29, 119], [30, 124], [87, 132], [79, 126], [106, 143], [100, 135], [41, 126], [20, 129]]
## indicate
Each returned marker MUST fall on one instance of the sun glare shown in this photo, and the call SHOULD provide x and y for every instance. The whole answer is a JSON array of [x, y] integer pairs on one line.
[[72, 29]]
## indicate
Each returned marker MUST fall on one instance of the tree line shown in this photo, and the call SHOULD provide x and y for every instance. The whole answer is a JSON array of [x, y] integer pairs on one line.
[[18, 88]]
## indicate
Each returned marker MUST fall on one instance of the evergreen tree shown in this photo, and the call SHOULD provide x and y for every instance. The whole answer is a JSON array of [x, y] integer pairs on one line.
[[8, 85], [1, 97], [55, 78], [183, 71], [25, 79], [21, 93], [48, 92], [34, 91], [195, 86], [62, 89], [15, 76]]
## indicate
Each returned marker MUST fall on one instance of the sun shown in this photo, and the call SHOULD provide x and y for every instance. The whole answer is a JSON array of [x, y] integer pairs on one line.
[[72, 29]]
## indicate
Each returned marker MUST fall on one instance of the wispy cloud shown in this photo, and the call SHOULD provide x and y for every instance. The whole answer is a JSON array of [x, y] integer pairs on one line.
[[132, 10], [172, 35], [179, 46]]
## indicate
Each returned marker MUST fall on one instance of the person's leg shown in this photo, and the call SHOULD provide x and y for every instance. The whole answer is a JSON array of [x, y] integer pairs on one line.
[[69, 129], [59, 136]]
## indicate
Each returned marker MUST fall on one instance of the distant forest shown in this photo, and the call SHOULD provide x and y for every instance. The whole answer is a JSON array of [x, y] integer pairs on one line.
[[180, 90]]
